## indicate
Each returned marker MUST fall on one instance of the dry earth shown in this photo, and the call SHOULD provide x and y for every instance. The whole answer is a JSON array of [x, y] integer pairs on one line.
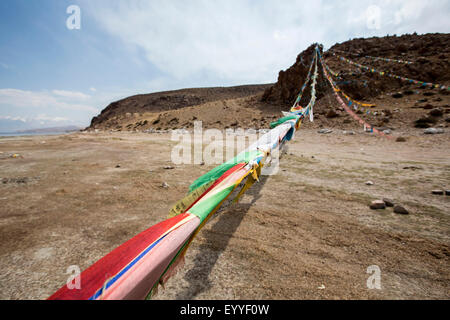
[[305, 233]]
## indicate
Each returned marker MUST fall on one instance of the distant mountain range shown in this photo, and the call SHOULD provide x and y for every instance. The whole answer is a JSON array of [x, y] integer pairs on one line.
[[47, 130]]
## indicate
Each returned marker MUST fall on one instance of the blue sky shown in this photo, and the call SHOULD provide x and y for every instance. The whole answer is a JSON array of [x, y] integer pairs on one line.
[[53, 76]]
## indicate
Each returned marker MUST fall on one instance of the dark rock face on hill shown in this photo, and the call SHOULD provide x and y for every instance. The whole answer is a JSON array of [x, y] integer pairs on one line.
[[289, 82], [429, 54]]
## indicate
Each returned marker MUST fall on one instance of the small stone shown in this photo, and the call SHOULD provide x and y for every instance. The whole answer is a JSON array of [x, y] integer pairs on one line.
[[369, 183], [447, 192], [408, 92], [387, 131], [350, 133], [424, 122], [331, 114], [412, 168], [400, 210], [437, 192], [168, 168], [433, 131], [377, 204], [325, 131], [437, 112], [388, 202], [397, 95], [164, 185], [202, 163], [400, 139], [118, 166]]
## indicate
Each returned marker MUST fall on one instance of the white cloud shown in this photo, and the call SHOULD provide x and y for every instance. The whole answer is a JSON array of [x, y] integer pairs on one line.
[[42, 99], [239, 40], [44, 117], [13, 118], [71, 94], [242, 41]]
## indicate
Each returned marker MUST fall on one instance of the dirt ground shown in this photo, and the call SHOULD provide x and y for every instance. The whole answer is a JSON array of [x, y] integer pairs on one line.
[[304, 233]]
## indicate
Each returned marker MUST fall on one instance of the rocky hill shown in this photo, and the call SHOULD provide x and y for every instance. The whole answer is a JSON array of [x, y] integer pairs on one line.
[[136, 112], [397, 104]]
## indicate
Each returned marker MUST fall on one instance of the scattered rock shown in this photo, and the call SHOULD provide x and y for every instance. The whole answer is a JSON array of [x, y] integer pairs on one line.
[[118, 166], [428, 107], [388, 202], [424, 122], [428, 94], [387, 131], [369, 183], [377, 204], [168, 168], [437, 112], [400, 210], [331, 114], [202, 163], [400, 139], [412, 168], [447, 192], [165, 185], [325, 131], [408, 92], [433, 131], [20, 180], [350, 133], [437, 192], [397, 95]]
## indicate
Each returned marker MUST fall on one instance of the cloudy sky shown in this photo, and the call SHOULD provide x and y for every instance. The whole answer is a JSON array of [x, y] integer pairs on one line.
[[51, 75]]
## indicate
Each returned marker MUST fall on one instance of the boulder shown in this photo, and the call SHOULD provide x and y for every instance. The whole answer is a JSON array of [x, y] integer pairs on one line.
[[388, 202], [424, 122], [400, 210], [437, 112], [377, 204]]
